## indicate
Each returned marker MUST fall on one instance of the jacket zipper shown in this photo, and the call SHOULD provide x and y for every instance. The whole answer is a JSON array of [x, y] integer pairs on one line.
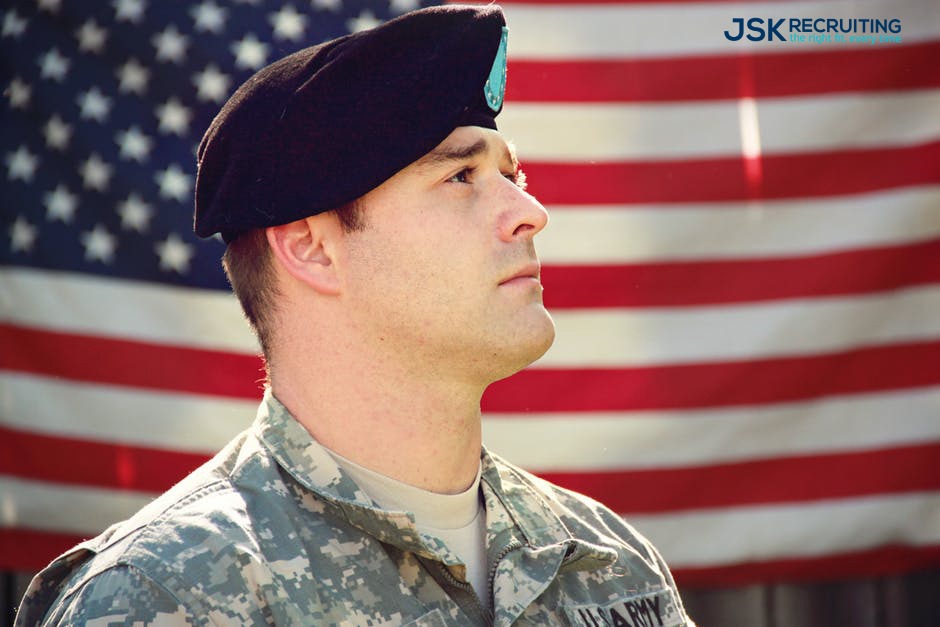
[[491, 577], [466, 587]]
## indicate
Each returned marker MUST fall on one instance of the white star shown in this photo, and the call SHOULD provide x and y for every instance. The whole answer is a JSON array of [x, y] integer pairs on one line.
[[170, 44], [57, 133], [332, 5], [129, 10], [250, 53], [288, 23], [94, 105], [174, 183], [135, 213], [133, 77], [21, 164], [18, 93], [96, 174], [52, 6], [134, 145], [211, 84], [53, 65], [364, 21], [91, 37], [209, 17], [174, 254], [99, 244], [22, 235], [13, 24], [174, 117], [403, 6], [60, 204]]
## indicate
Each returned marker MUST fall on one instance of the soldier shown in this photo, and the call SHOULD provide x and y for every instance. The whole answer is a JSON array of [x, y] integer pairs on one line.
[[380, 240]]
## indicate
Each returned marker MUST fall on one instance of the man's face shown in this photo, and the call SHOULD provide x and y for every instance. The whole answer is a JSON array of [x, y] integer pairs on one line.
[[445, 273]]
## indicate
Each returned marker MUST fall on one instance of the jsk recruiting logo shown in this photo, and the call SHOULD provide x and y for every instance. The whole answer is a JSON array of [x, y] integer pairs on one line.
[[820, 30]]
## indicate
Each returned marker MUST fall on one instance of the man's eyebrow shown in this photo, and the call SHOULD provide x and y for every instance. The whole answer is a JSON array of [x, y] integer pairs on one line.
[[447, 154]]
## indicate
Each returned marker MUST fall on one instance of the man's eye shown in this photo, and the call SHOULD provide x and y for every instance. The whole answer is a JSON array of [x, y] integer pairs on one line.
[[461, 177], [517, 177]]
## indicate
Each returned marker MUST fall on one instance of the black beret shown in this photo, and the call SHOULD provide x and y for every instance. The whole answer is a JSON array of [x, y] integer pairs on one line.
[[323, 126]]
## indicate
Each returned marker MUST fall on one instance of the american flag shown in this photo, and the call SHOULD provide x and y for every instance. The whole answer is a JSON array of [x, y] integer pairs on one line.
[[743, 265]]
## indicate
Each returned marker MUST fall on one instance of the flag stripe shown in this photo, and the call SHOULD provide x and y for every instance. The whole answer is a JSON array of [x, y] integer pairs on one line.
[[719, 384], [793, 530], [711, 384], [591, 441], [586, 235], [888, 560], [638, 31], [772, 480], [741, 280], [722, 77], [657, 131], [822, 174]]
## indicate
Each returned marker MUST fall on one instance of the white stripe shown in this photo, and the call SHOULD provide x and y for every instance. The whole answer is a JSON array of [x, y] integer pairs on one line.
[[78, 303], [804, 530], [540, 442], [644, 337], [665, 130], [580, 442], [64, 509], [589, 235], [182, 422], [661, 30]]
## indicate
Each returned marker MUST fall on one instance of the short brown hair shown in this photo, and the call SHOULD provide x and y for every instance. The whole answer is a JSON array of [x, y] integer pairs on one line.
[[248, 265]]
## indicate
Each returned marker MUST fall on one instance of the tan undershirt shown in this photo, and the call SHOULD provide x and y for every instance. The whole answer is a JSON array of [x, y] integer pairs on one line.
[[457, 519]]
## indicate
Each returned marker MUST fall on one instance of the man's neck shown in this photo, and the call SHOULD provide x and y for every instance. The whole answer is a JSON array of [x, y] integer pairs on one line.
[[422, 432]]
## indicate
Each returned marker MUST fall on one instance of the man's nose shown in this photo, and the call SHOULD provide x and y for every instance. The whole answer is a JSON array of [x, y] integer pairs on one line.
[[523, 215]]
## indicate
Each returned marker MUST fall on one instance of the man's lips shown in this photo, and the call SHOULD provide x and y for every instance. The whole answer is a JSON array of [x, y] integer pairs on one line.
[[529, 271]]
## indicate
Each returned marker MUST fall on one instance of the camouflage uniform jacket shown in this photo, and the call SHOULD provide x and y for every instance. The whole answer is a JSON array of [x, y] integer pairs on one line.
[[270, 531]]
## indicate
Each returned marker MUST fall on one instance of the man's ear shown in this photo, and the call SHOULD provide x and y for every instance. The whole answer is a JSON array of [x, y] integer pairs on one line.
[[306, 249]]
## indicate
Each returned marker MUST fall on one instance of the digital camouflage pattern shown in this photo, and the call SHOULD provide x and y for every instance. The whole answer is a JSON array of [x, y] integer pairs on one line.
[[270, 531]]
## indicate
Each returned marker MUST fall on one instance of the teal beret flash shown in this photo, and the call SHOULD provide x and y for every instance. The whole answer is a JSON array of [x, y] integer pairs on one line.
[[323, 126]]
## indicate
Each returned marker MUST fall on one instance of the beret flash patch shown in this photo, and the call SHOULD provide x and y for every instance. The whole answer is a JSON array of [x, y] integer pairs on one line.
[[495, 87]]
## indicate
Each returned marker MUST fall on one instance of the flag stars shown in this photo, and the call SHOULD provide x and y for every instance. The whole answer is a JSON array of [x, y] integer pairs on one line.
[[58, 133], [91, 37], [288, 23], [99, 244], [94, 105], [129, 10], [403, 6], [174, 183], [60, 204], [134, 145], [211, 84], [170, 44], [13, 25], [22, 235], [21, 164], [175, 254], [364, 21], [18, 93], [50, 6], [174, 117], [330, 5], [250, 53], [96, 173], [133, 77], [53, 65], [135, 214], [208, 17]]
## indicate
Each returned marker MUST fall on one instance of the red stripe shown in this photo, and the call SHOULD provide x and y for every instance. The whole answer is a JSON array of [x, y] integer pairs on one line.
[[758, 381], [801, 175], [31, 550], [880, 562], [130, 363], [40, 458], [762, 481], [742, 280], [773, 380], [879, 68]]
